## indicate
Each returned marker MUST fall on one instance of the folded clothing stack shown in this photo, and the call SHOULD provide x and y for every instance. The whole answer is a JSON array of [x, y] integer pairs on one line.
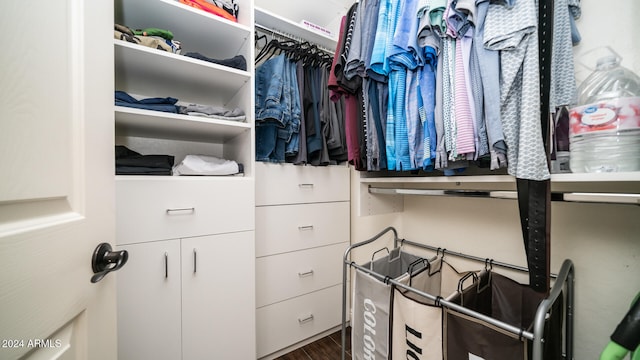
[[173, 105], [154, 38], [207, 165], [237, 62], [167, 104], [226, 9], [214, 112], [129, 162]]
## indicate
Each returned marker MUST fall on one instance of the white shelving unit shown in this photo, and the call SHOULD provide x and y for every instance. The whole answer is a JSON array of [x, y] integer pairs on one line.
[[176, 227], [149, 72]]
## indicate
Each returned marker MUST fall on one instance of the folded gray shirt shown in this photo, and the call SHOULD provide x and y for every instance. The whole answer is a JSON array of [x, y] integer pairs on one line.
[[216, 112]]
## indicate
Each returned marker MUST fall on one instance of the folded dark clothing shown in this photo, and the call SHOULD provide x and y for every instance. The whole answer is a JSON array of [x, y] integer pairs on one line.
[[236, 62], [129, 162], [123, 152], [136, 170], [152, 161], [157, 104]]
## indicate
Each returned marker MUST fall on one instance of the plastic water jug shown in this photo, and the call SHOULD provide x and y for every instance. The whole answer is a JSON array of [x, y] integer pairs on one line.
[[604, 129]]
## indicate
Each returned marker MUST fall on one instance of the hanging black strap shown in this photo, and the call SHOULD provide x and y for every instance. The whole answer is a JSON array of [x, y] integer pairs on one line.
[[534, 197], [534, 202]]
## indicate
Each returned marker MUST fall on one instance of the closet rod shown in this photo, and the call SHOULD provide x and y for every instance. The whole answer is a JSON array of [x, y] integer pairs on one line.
[[397, 240], [582, 197], [486, 261], [275, 32]]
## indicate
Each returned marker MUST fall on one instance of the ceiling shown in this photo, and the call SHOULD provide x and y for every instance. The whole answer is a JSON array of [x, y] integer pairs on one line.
[[326, 13]]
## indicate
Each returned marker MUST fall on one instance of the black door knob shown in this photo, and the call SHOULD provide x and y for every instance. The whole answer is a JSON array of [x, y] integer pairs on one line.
[[104, 261]]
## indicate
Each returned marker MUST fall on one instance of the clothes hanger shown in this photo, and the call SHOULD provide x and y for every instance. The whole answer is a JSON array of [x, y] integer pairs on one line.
[[264, 51], [484, 278], [257, 38], [268, 51]]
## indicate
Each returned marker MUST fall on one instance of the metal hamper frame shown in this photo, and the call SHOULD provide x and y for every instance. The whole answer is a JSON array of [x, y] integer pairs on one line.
[[565, 276]]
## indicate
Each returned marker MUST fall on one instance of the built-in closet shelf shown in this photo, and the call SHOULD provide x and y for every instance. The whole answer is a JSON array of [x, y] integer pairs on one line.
[[623, 182], [197, 30], [275, 22], [597, 177], [161, 125], [149, 72], [212, 180]]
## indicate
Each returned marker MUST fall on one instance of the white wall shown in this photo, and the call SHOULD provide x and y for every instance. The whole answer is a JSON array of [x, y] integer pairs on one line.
[[602, 24]]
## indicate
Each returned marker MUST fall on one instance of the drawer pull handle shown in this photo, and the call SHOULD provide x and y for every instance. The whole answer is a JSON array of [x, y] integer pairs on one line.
[[305, 227], [306, 186], [166, 265], [180, 210], [306, 319], [306, 273], [195, 261]]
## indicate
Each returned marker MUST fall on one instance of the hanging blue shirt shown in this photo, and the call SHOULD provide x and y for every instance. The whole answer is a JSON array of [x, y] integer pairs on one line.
[[404, 50], [379, 68], [427, 100]]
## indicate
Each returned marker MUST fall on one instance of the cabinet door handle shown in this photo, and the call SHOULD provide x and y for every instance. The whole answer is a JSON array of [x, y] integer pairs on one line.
[[195, 261], [177, 211], [306, 273], [306, 319], [306, 186], [166, 265], [305, 227]]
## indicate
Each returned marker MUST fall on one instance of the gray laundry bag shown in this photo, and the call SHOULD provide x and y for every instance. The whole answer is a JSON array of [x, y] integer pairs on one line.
[[372, 304]]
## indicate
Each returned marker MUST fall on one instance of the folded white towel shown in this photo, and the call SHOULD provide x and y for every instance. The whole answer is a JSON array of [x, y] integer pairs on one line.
[[205, 165]]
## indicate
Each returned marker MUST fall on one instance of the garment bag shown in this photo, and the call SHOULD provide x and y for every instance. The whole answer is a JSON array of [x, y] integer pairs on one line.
[[416, 320], [505, 300], [372, 304]]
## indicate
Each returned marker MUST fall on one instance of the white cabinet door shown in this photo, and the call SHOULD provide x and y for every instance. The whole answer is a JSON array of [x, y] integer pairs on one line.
[[218, 297], [149, 302]]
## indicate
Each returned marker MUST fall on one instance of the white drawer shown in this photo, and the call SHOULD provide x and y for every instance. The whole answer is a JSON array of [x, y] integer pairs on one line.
[[292, 184], [168, 208], [281, 277], [285, 228], [285, 323]]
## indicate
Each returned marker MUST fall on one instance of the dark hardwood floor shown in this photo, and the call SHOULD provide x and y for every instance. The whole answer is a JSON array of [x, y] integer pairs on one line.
[[327, 348]]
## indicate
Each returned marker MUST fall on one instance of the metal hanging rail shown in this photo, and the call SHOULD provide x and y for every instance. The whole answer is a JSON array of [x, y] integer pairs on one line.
[[282, 34], [580, 197], [565, 276], [445, 252]]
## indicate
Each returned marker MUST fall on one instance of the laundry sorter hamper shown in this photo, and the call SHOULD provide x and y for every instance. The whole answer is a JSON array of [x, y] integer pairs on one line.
[[403, 329], [392, 322]]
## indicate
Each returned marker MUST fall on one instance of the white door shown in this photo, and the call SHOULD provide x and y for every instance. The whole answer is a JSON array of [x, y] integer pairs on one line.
[[56, 179]]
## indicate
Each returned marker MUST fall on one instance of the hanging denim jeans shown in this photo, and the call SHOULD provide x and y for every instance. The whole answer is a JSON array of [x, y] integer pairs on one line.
[[277, 112]]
